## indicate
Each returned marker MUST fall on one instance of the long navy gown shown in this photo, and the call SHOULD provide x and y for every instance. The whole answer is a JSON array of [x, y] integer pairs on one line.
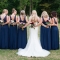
[[22, 36], [45, 36], [0, 35], [4, 35], [54, 37], [13, 35]]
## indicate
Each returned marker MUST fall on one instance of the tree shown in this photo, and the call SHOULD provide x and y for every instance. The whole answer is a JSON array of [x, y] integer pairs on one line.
[[3, 4], [33, 4], [58, 10], [22, 4], [12, 4], [57, 1]]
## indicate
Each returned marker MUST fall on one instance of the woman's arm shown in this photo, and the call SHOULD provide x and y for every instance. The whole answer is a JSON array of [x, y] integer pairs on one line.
[[27, 19], [8, 20], [18, 19], [50, 22], [28, 22], [39, 22], [44, 24]]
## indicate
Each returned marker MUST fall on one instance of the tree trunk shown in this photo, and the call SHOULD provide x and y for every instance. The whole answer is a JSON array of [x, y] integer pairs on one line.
[[30, 6], [24, 7]]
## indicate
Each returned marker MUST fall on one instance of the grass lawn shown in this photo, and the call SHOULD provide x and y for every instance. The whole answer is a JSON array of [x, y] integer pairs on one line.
[[11, 55]]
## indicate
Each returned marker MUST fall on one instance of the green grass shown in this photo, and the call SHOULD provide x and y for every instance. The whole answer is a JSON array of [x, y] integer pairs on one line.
[[11, 55]]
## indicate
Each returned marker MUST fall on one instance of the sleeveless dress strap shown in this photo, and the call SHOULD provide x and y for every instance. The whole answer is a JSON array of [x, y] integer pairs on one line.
[[55, 21], [15, 17], [42, 18], [10, 17]]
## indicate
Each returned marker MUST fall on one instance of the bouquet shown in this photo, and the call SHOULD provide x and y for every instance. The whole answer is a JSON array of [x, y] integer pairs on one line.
[[1, 22], [12, 22], [21, 25], [32, 25], [47, 22]]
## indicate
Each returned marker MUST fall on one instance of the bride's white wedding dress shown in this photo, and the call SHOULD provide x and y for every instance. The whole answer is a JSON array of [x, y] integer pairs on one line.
[[33, 47]]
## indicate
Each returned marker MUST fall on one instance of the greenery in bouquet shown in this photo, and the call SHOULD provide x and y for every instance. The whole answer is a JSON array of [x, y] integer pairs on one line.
[[47, 22]]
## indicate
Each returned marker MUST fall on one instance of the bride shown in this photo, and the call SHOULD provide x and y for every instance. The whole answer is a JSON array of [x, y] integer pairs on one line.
[[33, 47]]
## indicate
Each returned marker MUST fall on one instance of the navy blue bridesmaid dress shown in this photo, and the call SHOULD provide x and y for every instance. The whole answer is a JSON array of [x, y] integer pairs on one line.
[[54, 37], [13, 35], [0, 35], [4, 35], [22, 36], [45, 36]]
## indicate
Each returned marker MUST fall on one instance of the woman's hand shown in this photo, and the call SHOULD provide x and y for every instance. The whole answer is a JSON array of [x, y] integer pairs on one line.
[[49, 24], [46, 26]]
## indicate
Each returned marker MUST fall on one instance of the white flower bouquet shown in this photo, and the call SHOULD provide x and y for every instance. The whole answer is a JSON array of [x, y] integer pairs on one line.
[[1, 22]]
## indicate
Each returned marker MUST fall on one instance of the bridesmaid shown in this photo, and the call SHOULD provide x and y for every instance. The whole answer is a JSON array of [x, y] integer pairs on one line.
[[54, 31], [4, 35], [13, 30], [45, 35], [22, 34]]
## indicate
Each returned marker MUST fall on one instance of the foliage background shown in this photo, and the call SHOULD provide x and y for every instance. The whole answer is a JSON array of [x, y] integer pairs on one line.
[[29, 5]]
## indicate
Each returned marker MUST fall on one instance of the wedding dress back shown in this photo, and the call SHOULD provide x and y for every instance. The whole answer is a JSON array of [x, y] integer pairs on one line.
[[33, 47]]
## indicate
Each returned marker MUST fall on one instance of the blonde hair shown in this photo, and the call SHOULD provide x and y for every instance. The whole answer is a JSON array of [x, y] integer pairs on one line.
[[33, 15], [33, 18], [44, 14], [13, 10], [34, 12], [4, 10], [22, 12]]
